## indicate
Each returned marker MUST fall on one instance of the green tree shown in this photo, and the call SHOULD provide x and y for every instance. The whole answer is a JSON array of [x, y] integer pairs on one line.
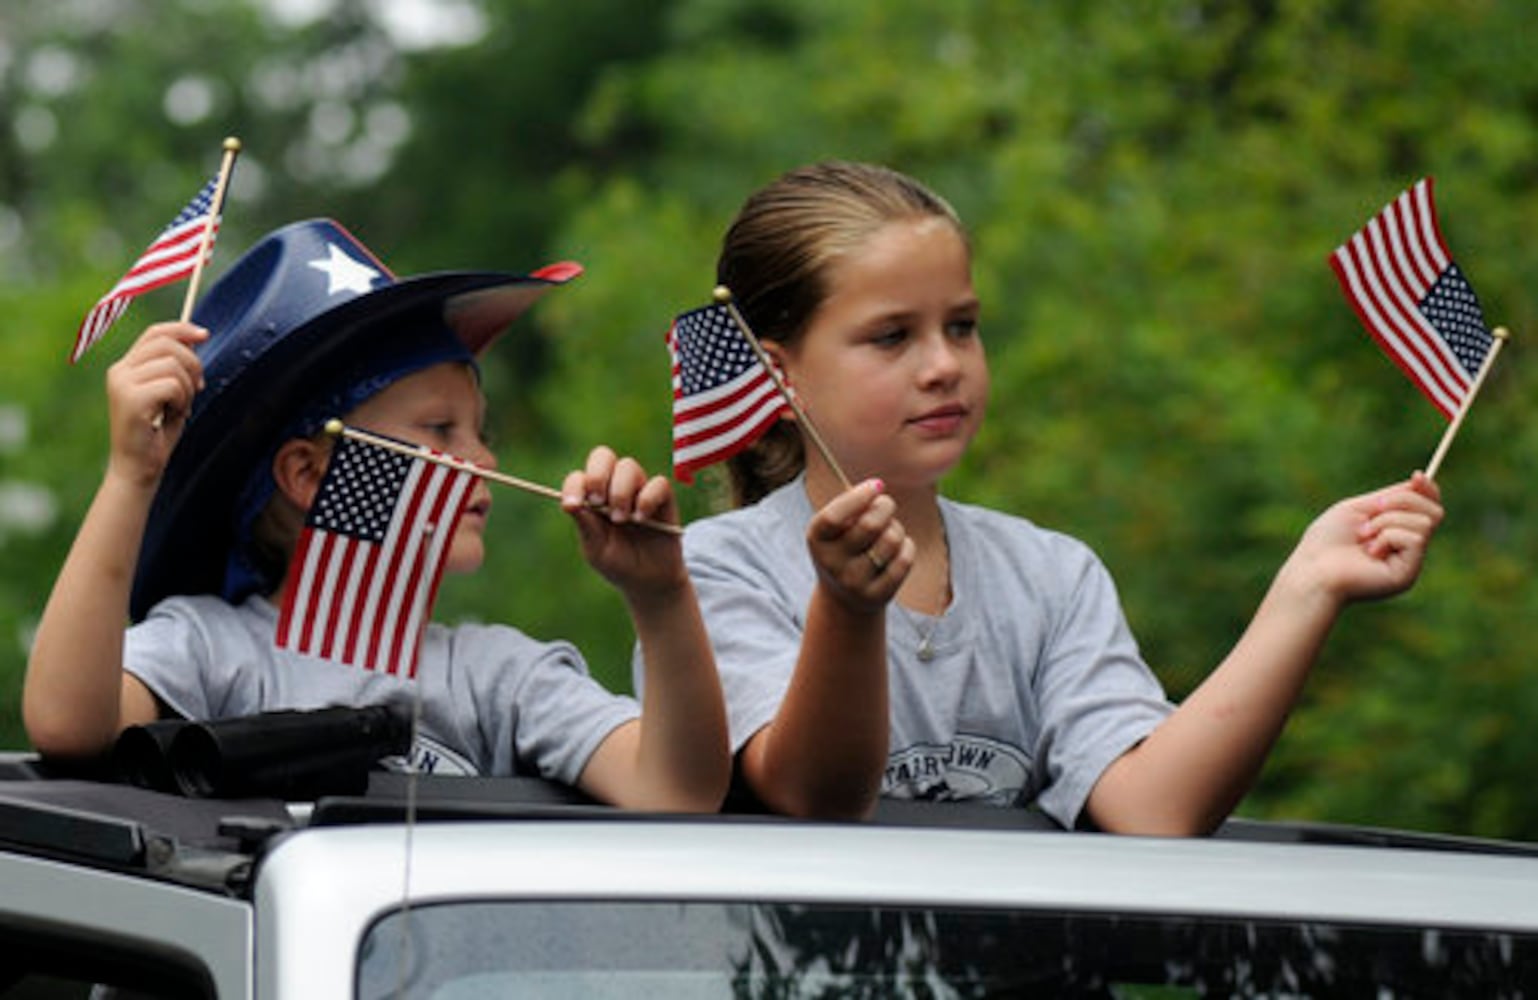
[[1177, 380], [1152, 190]]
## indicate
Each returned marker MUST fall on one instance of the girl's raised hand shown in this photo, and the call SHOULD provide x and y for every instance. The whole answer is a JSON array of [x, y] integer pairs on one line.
[[149, 394], [1373, 545], [860, 548]]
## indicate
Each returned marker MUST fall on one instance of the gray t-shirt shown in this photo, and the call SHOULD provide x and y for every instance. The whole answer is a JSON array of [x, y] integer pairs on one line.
[[494, 701], [1023, 691]]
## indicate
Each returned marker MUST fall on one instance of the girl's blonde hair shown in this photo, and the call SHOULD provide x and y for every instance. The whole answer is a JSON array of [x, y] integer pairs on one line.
[[776, 257]]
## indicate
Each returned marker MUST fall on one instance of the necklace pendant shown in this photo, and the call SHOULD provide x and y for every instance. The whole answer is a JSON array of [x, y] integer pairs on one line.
[[926, 651]]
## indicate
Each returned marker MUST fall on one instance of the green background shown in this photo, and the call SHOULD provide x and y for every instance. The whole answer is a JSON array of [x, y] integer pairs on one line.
[[1152, 188]]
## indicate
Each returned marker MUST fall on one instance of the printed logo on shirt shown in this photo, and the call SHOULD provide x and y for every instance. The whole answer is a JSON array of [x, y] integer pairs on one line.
[[428, 756], [974, 768]]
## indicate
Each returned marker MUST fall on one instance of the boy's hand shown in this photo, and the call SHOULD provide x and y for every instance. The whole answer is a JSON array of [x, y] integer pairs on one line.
[[860, 548], [149, 394], [631, 556]]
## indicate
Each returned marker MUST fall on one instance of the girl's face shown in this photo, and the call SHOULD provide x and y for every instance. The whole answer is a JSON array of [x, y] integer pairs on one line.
[[890, 367], [441, 407]]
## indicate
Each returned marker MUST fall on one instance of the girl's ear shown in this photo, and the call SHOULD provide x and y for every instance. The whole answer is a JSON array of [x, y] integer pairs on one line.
[[298, 467], [777, 355]]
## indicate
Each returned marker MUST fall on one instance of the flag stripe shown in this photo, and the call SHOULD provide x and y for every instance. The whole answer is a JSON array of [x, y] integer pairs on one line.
[[336, 552], [1404, 254], [406, 571], [171, 256], [1401, 329], [764, 411], [430, 573], [1398, 327], [1400, 279], [352, 618], [696, 418], [723, 396], [344, 613], [368, 564], [293, 603]]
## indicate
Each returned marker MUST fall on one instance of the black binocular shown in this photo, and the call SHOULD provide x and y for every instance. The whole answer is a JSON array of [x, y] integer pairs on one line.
[[294, 755]]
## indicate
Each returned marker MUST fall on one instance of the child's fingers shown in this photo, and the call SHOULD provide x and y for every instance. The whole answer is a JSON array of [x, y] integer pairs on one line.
[[860, 546], [174, 340], [655, 502], [625, 483], [597, 472], [1404, 507], [856, 536], [844, 511], [1396, 542], [1397, 530], [148, 390], [589, 485], [903, 562], [891, 556], [574, 491], [185, 333], [620, 486], [1426, 486], [870, 577], [183, 370], [160, 366], [1418, 492]]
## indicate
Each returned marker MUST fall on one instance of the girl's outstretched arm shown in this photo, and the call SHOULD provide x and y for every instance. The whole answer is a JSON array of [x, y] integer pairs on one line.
[[76, 697], [826, 749], [675, 756], [1190, 773]]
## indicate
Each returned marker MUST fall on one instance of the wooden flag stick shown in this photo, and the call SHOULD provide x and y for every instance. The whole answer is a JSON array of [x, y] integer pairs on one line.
[[231, 150], [215, 209], [1500, 334], [723, 295], [336, 428]]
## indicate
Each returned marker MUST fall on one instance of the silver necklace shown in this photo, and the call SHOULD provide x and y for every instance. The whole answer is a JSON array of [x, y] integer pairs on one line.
[[926, 649]]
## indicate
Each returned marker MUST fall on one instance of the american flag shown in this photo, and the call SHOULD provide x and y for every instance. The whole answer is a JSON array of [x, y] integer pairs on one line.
[[171, 257], [364, 575], [1402, 282], [723, 397]]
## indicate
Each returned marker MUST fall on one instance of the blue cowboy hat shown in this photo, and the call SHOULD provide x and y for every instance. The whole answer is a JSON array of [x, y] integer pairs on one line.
[[304, 326]]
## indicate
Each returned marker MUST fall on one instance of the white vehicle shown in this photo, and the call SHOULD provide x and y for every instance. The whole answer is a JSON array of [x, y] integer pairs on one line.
[[509, 887]]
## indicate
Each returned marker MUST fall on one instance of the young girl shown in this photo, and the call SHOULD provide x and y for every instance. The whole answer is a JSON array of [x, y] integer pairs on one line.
[[1004, 669], [215, 457]]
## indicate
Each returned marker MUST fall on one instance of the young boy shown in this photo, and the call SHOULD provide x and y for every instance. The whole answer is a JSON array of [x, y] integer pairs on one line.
[[217, 453]]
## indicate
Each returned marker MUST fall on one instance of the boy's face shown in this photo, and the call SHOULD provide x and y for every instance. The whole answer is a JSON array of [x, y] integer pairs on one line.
[[440, 407]]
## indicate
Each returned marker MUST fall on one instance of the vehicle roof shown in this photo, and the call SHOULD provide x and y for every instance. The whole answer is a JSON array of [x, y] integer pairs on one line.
[[655, 858], [118, 824], [302, 878], [325, 884], [520, 837]]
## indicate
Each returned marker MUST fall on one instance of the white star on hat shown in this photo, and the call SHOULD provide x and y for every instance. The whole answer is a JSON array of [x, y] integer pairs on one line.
[[344, 273]]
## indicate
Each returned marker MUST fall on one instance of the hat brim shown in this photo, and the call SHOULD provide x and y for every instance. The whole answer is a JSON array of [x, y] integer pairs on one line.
[[236, 420]]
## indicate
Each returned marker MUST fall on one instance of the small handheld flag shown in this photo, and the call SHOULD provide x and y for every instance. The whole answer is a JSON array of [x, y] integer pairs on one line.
[[363, 578], [724, 397], [336, 428], [1400, 278], [172, 256], [722, 400]]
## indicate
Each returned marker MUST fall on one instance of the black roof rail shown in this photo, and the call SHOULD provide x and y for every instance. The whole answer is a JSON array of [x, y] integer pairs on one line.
[[205, 843]]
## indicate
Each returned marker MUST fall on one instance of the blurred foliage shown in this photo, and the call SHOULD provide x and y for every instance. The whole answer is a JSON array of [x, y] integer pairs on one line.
[[1152, 189]]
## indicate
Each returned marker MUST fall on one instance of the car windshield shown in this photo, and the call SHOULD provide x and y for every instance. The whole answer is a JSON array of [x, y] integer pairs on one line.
[[784, 950]]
